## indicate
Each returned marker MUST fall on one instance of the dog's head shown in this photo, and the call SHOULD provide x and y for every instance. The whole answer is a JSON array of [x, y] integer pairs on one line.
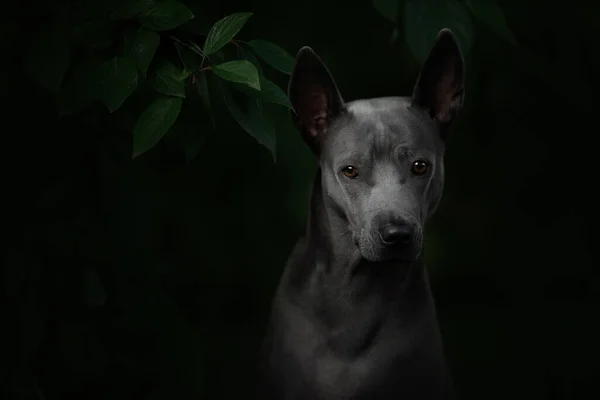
[[381, 160]]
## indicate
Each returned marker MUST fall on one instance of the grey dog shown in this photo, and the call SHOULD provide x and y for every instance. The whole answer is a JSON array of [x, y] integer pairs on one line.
[[353, 316]]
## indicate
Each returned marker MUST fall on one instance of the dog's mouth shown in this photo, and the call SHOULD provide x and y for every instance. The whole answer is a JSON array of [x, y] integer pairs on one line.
[[403, 258], [373, 251]]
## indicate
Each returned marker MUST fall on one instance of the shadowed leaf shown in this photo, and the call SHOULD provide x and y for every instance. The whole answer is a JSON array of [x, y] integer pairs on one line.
[[490, 14], [423, 19], [168, 79], [238, 71], [130, 9], [202, 86], [273, 55], [189, 58], [164, 15], [113, 81], [224, 30], [270, 92], [389, 9], [141, 45], [248, 112], [154, 123]]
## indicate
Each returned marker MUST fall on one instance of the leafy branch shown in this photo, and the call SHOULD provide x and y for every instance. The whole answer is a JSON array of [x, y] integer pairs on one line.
[[128, 48], [421, 20]]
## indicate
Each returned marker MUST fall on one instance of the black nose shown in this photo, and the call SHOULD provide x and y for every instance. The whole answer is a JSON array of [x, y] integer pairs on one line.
[[396, 234]]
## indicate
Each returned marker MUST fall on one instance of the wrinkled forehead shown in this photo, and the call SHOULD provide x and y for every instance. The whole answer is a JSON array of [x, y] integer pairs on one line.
[[380, 127]]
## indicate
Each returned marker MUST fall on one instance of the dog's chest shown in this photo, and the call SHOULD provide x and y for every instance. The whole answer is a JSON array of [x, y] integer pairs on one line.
[[399, 360], [336, 378], [314, 369]]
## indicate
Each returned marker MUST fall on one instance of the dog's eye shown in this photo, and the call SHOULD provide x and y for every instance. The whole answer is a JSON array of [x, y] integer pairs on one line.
[[350, 172], [419, 167]]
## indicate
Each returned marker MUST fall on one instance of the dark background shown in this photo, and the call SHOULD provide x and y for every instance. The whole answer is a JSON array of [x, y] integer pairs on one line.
[[151, 278]]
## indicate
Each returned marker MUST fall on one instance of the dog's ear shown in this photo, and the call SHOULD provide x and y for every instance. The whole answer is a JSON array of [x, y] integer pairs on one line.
[[314, 96], [440, 85]]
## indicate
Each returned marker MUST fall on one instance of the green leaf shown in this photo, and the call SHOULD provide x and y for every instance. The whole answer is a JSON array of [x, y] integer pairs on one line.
[[273, 94], [490, 14], [223, 31], [154, 123], [113, 81], [168, 79], [48, 59], [109, 81], [129, 9], [423, 19], [248, 112], [165, 15], [273, 55], [141, 45], [270, 93], [389, 9], [238, 71]]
